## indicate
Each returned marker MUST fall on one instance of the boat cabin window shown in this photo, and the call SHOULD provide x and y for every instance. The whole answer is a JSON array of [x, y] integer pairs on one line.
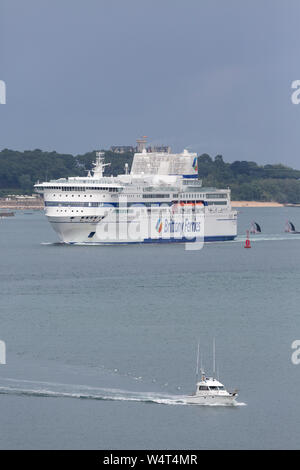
[[221, 388], [203, 387], [213, 388]]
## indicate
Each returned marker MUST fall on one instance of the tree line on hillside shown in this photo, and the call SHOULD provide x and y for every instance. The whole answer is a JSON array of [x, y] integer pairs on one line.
[[19, 171], [249, 181]]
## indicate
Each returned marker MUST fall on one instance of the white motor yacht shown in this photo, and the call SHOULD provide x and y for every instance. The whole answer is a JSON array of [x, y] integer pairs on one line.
[[209, 391]]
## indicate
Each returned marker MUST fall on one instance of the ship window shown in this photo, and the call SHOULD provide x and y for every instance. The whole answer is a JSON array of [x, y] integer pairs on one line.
[[217, 203], [203, 387], [221, 388], [216, 196], [91, 234], [213, 388]]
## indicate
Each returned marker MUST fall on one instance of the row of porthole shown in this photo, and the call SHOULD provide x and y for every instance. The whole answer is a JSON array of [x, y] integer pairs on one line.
[[57, 210], [94, 218], [91, 195], [87, 217], [189, 196], [103, 195], [66, 195]]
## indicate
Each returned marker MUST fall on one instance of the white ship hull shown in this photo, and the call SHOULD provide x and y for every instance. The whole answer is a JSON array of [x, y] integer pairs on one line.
[[188, 228], [211, 400]]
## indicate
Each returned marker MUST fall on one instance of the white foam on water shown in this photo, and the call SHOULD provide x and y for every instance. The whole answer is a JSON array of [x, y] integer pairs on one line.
[[270, 236], [52, 243], [239, 239]]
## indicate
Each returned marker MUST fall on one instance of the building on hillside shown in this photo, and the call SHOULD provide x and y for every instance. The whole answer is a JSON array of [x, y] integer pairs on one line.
[[122, 149]]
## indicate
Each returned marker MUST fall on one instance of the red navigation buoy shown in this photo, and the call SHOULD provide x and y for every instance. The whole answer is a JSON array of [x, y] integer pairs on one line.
[[247, 244]]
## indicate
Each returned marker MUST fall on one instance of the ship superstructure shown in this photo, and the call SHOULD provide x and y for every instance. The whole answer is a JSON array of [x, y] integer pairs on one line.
[[160, 200]]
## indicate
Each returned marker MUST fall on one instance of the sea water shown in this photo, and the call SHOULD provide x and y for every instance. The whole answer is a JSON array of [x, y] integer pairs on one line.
[[101, 340]]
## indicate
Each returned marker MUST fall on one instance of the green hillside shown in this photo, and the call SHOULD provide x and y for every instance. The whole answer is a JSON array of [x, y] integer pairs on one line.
[[247, 180]]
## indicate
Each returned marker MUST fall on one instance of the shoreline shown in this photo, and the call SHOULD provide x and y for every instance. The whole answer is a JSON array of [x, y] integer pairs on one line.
[[40, 206], [255, 204], [22, 205]]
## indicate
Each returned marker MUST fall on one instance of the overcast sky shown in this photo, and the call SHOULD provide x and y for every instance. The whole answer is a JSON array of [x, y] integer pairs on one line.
[[210, 75]]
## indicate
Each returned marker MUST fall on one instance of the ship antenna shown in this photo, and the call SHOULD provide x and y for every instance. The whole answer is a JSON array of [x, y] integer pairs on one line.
[[201, 365], [202, 369], [197, 366], [214, 358]]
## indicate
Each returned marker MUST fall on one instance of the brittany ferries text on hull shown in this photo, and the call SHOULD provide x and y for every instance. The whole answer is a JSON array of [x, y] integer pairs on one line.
[[161, 200]]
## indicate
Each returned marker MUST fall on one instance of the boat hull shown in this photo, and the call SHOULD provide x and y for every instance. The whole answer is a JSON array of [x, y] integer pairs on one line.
[[208, 228], [216, 400]]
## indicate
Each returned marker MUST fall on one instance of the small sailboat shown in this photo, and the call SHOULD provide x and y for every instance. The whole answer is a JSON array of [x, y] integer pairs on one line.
[[209, 391], [255, 228], [290, 227]]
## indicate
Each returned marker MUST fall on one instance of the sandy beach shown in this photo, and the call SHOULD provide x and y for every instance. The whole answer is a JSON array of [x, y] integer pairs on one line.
[[33, 204], [38, 204], [255, 204]]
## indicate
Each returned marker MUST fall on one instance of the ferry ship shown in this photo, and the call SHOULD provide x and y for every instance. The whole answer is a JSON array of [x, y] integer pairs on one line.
[[160, 200]]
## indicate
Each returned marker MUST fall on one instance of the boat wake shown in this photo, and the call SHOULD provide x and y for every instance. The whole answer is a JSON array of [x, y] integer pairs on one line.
[[238, 239], [265, 238], [55, 390]]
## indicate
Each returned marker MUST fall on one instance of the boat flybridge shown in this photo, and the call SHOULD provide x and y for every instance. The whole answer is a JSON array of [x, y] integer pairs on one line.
[[209, 391]]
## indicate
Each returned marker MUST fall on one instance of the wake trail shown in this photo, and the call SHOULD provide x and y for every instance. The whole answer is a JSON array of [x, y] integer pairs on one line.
[[264, 238], [239, 239], [57, 390]]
